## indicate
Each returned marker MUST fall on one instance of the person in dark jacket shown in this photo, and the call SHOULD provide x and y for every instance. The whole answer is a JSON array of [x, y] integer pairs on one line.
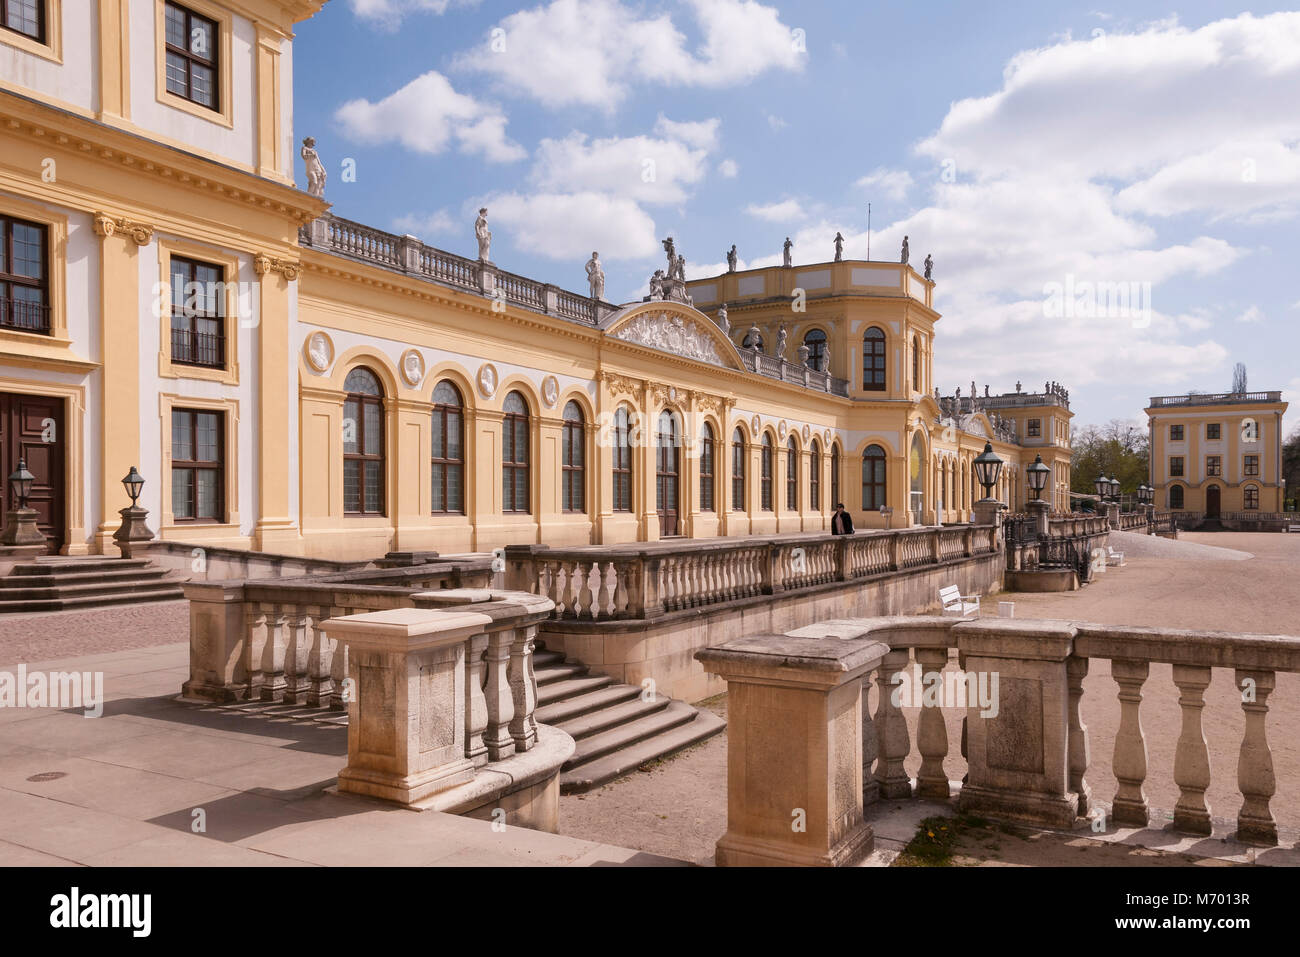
[[841, 521]]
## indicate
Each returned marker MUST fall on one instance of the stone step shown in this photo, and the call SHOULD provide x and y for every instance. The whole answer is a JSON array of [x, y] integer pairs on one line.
[[569, 708], [102, 577], [543, 658], [570, 687], [167, 593], [605, 769], [550, 674], [628, 733], [62, 564], [87, 590], [609, 716]]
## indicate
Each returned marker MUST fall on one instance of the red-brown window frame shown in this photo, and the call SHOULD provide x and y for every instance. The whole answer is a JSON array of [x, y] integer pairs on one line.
[[194, 466]]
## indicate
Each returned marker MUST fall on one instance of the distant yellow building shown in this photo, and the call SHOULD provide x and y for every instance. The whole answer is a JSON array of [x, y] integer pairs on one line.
[[1218, 455], [292, 382]]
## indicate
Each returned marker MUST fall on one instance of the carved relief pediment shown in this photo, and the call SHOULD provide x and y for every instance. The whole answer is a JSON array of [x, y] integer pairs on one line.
[[679, 335]]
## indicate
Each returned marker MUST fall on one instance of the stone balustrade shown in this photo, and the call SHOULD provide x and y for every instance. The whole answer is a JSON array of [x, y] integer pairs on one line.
[[1023, 736], [599, 583]]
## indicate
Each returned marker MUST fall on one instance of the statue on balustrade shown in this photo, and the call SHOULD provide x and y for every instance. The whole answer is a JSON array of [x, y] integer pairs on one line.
[[731, 258], [723, 322], [781, 336], [903, 260], [929, 266], [315, 168], [596, 276], [788, 255], [657, 284], [839, 247], [484, 236]]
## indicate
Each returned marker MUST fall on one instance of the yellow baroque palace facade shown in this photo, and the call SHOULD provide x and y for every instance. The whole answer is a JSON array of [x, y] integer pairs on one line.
[[296, 383]]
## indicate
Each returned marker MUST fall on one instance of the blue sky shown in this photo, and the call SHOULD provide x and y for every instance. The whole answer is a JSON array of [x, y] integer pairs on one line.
[[1026, 146]]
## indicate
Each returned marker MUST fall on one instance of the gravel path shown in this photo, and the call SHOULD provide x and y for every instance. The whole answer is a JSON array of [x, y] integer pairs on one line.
[[92, 631], [1138, 545]]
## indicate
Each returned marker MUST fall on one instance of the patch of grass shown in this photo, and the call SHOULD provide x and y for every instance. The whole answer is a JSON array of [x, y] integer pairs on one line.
[[935, 839]]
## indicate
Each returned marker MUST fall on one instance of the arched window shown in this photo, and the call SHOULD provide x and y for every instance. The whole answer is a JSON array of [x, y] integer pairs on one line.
[[835, 475], [815, 478], [1250, 496], [363, 443], [707, 468], [815, 340], [667, 472], [448, 450], [873, 360], [573, 460], [873, 478], [514, 454], [765, 475], [916, 364], [1175, 496], [622, 461], [738, 471], [791, 475]]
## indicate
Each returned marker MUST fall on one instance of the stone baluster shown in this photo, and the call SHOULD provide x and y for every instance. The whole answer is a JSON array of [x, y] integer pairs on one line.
[[273, 655], [870, 744], [1076, 669], [604, 594], [1255, 824], [585, 596], [254, 648], [891, 729], [498, 696], [931, 732], [339, 670], [476, 709], [296, 653], [523, 688], [1130, 805], [1192, 758], [320, 684]]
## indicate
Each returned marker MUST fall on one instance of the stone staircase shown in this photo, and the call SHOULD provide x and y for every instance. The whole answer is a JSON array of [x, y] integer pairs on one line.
[[61, 583], [615, 730]]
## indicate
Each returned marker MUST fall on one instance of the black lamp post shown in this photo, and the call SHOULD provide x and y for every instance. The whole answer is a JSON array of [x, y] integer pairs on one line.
[[1114, 489], [1037, 476], [20, 523], [988, 468], [133, 527]]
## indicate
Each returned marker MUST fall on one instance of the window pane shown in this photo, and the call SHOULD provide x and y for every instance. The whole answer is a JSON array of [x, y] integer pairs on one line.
[[453, 435], [438, 504], [438, 437], [208, 440], [182, 502], [351, 486], [351, 415], [24, 17], [29, 251], [175, 27], [372, 430], [182, 437], [177, 72], [521, 489], [201, 85], [206, 480], [455, 488], [201, 40], [374, 487]]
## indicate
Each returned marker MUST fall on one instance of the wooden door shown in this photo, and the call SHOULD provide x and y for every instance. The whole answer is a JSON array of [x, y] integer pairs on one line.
[[1212, 502], [667, 477], [31, 429]]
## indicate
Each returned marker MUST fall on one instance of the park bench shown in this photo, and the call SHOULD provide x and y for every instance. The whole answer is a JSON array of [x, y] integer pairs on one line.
[[1113, 557], [956, 604], [1291, 527]]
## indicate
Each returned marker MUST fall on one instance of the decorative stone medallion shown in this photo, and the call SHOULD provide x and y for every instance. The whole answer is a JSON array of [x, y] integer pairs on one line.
[[756, 424], [807, 434], [319, 350], [782, 430], [550, 391], [487, 380], [412, 367], [827, 436], [672, 393]]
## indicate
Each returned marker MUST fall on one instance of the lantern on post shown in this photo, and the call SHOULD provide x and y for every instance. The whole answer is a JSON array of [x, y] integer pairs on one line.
[[20, 529], [133, 528]]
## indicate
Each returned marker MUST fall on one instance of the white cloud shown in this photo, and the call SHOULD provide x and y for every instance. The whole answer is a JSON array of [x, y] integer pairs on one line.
[[728, 169], [699, 134], [1233, 179], [569, 226], [429, 116], [1253, 314], [592, 52], [437, 223], [388, 14], [893, 183], [775, 122], [787, 210]]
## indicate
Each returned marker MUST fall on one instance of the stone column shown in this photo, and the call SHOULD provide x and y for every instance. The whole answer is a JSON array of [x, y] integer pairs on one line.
[[217, 634], [406, 720], [1039, 511], [1018, 749], [794, 743]]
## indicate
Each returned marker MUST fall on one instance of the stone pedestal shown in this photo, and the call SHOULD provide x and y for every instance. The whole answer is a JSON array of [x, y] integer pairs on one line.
[[20, 528], [1039, 512], [988, 512], [1018, 752], [132, 529], [794, 749], [407, 715]]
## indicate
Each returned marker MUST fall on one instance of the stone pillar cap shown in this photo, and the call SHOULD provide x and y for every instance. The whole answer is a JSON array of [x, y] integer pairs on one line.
[[781, 659], [405, 629]]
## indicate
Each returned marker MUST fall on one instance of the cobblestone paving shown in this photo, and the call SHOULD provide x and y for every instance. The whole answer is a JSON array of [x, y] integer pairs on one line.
[[61, 634]]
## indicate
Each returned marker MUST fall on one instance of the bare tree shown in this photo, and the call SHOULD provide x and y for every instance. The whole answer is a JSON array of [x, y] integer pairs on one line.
[[1239, 378]]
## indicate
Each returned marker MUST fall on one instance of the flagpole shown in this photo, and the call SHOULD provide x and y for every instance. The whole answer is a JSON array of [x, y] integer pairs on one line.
[[868, 232]]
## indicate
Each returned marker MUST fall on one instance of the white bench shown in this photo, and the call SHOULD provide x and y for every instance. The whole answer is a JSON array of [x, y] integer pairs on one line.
[[1113, 557], [1292, 527], [956, 604]]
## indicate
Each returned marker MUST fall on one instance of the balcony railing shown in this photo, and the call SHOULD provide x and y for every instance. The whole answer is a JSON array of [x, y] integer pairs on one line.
[[1218, 398], [25, 316], [199, 349]]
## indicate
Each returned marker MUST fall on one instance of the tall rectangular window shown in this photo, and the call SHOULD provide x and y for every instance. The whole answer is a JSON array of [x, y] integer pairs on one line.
[[1213, 465], [1175, 465], [1035, 428], [1214, 430], [198, 313], [1175, 433], [24, 276], [197, 466], [1252, 464], [706, 468], [24, 16], [622, 450], [191, 50]]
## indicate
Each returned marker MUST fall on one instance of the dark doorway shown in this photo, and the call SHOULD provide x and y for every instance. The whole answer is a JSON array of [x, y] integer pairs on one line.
[[1212, 502], [31, 429]]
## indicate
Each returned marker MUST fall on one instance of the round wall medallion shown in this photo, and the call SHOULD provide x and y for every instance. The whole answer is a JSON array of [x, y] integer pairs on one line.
[[827, 436], [412, 367], [672, 393], [782, 430], [550, 391], [319, 350], [756, 424], [807, 434], [487, 380]]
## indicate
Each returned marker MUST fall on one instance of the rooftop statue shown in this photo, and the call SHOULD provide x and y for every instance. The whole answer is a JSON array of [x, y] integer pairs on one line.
[[903, 260], [781, 337], [731, 258], [315, 168], [657, 284], [929, 265], [596, 276], [839, 247], [723, 322], [789, 259], [483, 235]]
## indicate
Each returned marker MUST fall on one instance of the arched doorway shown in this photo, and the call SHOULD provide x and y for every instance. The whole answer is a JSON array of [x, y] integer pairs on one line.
[[1212, 502], [916, 478], [667, 477]]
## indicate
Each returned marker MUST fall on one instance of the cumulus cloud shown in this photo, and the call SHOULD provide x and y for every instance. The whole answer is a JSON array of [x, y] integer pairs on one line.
[[429, 116], [1253, 314], [592, 52], [787, 210], [389, 14], [892, 183], [438, 223], [568, 226], [728, 169]]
